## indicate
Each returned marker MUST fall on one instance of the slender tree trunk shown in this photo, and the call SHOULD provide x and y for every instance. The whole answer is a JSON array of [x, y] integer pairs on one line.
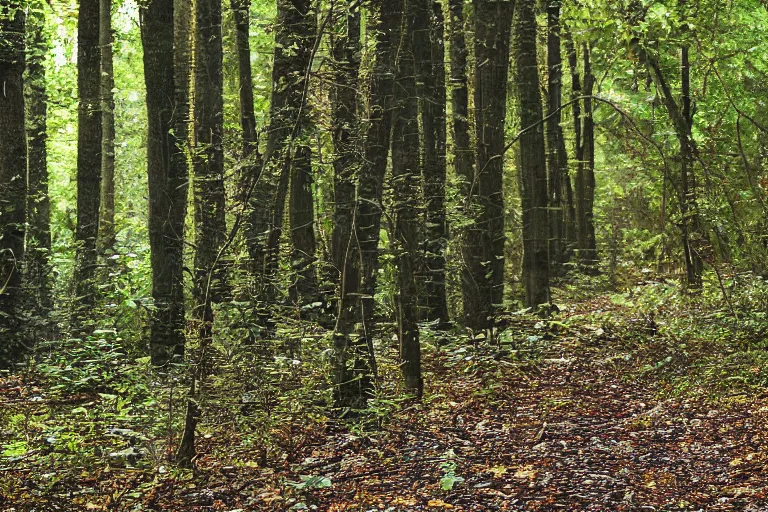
[[346, 49], [350, 389], [463, 154], [241, 10], [571, 233], [38, 245], [532, 159], [557, 159], [13, 170], [168, 175], [483, 280], [585, 175], [429, 51], [88, 157], [406, 178], [107, 223], [208, 155]]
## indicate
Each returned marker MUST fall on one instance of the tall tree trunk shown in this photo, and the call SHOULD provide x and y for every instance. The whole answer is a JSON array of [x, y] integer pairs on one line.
[[13, 170], [571, 232], [406, 177], [242, 14], [168, 175], [533, 167], [585, 175], [107, 223], [88, 157], [463, 155], [355, 362], [346, 48], [483, 280], [38, 245], [428, 47], [557, 159], [208, 156]]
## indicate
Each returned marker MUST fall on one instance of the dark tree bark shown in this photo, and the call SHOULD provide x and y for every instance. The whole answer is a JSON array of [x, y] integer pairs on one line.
[[463, 154], [107, 223], [301, 216], [241, 10], [355, 362], [13, 170], [168, 177], [571, 233], [429, 52], [406, 181], [294, 38], [483, 251], [88, 156], [585, 175], [346, 48], [38, 245], [533, 167], [208, 157], [557, 159]]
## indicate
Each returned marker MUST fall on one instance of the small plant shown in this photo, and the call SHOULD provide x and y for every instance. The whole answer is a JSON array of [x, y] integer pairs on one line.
[[449, 478]]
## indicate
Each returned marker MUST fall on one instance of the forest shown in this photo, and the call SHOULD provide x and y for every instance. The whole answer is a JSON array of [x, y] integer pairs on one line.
[[391, 255]]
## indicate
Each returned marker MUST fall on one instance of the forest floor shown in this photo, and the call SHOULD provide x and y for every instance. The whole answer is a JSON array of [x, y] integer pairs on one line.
[[605, 414]]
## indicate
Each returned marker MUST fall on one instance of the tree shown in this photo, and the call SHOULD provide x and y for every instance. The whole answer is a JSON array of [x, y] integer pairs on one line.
[[168, 177], [559, 184], [38, 243], [406, 181], [483, 248], [355, 364], [345, 259], [13, 168], [585, 174], [106, 37], [89, 129], [682, 120], [429, 53], [533, 168]]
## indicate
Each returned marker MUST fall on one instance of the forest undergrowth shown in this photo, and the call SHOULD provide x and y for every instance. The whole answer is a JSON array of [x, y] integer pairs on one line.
[[645, 399]]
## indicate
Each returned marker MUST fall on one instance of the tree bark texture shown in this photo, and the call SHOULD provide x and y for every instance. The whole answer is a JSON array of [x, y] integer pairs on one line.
[[585, 174], [533, 167], [89, 131], [483, 251], [168, 176], [13, 170], [38, 245], [107, 223], [406, 182], [429, 52]]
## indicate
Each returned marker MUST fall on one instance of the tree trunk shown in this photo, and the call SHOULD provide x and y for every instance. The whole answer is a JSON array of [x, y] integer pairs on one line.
[[241, 10], [346, 48], [429, 51], [532, 159], [107, 225], [483, 280], [208, 156], [38, 245], [168, 176], [571, 232], [355, 362], [406, 177], [302, 221], [557, 159], [463, 154], [13, 170], [585, 175], [88, 157]]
